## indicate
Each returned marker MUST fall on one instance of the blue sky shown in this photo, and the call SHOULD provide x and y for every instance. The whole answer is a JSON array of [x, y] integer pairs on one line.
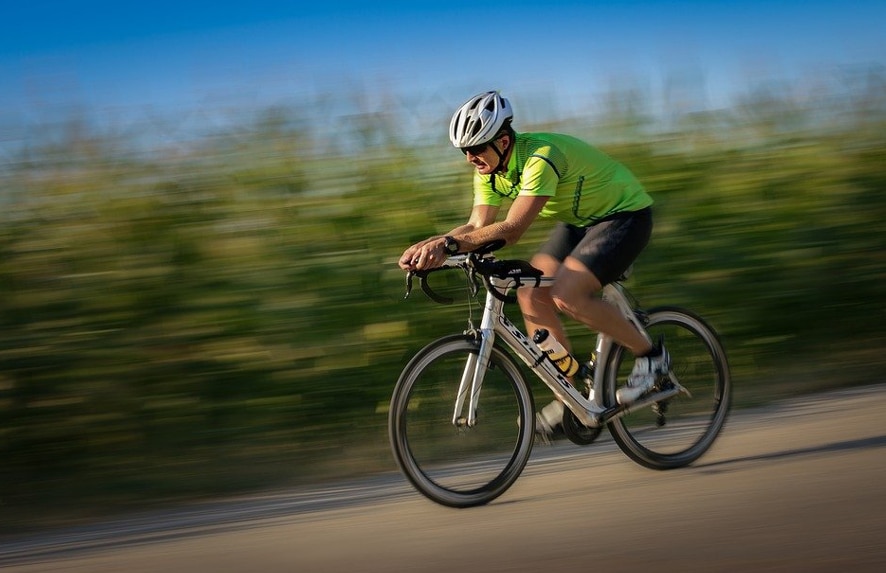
[[167, 55]]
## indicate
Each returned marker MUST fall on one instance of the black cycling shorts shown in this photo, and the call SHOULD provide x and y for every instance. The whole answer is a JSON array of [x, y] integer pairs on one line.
[[608, 247]]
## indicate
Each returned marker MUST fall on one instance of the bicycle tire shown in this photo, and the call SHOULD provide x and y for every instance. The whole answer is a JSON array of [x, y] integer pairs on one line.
[[460, 466], [676, 432]]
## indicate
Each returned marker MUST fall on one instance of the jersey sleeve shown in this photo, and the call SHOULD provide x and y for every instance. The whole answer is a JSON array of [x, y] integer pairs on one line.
[[540, 177]]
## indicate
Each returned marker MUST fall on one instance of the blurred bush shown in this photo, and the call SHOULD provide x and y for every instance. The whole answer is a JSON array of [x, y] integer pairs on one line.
[[231, 316]]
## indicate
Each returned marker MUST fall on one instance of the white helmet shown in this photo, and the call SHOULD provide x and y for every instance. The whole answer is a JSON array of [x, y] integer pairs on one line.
[[479, 119]]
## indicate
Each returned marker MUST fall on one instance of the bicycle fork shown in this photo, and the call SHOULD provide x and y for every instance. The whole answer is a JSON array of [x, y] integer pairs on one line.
[[471, 382], [476, 366]]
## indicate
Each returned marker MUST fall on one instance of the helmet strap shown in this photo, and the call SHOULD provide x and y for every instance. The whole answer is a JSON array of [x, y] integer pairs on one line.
[[501, 156], [501, 167]]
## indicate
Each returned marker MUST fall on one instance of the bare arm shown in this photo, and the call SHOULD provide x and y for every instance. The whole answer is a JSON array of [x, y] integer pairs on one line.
[[480, 228], [428, 253], [521, 215], [481, 216]]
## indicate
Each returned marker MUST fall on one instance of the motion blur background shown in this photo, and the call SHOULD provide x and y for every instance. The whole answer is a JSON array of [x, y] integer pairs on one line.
[[202, 204]]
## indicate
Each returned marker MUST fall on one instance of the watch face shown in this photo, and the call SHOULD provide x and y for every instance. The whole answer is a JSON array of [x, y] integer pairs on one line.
[[451, 246]]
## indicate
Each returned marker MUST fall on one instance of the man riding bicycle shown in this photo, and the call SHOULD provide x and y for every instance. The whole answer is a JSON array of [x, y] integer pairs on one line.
[[604, 222]]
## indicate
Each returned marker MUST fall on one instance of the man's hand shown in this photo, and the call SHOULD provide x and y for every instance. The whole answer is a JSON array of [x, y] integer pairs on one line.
[[428, 254]]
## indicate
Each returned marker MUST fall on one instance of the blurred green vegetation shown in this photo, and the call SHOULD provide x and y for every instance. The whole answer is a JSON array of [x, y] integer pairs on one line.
[[230, 316]]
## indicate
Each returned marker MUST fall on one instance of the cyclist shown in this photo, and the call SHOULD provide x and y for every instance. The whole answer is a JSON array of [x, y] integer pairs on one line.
[[604, 222]]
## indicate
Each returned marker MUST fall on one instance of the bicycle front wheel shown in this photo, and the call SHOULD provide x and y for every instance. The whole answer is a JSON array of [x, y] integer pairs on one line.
[[675, 432], [446, 461]]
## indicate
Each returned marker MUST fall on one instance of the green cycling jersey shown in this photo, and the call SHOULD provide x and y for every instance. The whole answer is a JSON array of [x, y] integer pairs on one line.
[[583, 183]]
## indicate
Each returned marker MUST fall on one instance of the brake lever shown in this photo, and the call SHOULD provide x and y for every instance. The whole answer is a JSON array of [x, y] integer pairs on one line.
[[408, 284]]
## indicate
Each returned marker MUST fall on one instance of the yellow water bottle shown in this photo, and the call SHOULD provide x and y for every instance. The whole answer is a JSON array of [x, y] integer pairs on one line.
[[559, 356]]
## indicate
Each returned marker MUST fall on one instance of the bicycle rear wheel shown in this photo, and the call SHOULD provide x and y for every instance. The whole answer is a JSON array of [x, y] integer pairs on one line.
[[677, 431], [452, 464]]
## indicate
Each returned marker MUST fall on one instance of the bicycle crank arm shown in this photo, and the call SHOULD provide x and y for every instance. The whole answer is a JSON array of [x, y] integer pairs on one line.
[[618, 411]]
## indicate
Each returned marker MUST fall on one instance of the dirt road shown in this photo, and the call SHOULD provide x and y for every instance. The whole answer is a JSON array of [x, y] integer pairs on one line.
[[798, 486]]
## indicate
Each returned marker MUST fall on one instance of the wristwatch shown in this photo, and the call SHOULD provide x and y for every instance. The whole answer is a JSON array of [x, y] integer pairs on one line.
[[450, 246]]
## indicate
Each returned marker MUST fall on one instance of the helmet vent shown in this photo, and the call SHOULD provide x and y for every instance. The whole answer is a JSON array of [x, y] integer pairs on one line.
[[479, 119]]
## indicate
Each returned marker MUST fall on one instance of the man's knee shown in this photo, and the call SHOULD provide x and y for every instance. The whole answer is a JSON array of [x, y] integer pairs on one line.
[[573, 287]]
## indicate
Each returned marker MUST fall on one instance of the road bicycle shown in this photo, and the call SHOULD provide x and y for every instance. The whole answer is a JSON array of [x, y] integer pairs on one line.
[[462, 416]]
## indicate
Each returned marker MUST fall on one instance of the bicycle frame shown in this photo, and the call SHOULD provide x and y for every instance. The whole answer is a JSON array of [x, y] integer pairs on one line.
[[592, 413]]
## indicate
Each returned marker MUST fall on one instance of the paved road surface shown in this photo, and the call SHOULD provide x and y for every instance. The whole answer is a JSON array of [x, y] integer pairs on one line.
[[798, 486]]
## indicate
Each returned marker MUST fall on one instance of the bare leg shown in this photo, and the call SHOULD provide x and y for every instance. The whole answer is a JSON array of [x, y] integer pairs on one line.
[[538, 307], [575, 294]]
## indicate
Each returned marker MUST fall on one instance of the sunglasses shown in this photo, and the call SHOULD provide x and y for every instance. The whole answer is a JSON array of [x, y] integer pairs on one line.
[[475, 149]]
